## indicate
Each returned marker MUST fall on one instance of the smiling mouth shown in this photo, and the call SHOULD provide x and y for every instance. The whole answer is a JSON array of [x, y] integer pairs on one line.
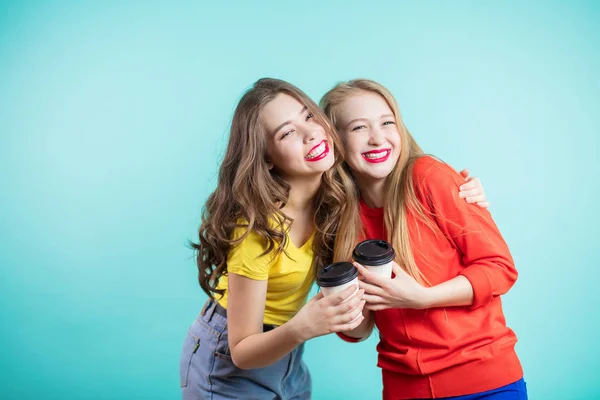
[[377, 156], [318, 152]]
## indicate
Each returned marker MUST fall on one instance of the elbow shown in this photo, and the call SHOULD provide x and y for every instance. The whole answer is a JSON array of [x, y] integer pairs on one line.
[[505, 283], [508, 278], [239, 362], [244, 363], [511, 278]]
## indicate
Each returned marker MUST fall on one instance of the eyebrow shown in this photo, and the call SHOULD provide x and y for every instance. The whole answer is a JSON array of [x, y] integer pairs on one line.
[[288, 122], [365, 119]]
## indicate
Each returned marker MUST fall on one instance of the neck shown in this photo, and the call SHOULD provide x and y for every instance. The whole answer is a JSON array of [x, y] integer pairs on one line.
[[372, 191], [302, 193]]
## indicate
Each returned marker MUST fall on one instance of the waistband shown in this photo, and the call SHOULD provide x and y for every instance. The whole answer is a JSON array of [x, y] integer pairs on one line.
[[212, 307]]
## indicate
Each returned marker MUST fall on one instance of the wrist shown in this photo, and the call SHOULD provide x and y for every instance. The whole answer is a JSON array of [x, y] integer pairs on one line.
[[296, 330], [426, 298], [364, 330]]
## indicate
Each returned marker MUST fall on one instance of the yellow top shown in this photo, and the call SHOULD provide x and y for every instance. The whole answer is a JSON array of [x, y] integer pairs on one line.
[[289, 278]]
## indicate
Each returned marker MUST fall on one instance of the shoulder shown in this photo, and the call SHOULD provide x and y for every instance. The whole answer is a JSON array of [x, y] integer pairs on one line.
[[255, 243], [249, 255], [430, 172], [248, 239]]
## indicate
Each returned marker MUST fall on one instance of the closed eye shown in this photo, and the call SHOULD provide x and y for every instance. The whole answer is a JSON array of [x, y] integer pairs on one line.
[[286, 134], [389, 123], [358, 127]]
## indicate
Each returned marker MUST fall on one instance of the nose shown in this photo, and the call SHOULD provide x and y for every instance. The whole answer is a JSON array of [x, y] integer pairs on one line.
[[376, 137], [311, 133]]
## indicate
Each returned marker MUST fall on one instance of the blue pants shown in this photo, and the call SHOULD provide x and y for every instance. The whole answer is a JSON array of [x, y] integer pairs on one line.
[[514, 391], [207, 372]]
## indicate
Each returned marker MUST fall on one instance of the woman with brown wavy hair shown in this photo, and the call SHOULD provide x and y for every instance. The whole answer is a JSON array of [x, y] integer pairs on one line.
[[271, 219]]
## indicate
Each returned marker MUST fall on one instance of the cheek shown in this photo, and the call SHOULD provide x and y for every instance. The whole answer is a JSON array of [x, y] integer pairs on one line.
[[292, 152], [353, 156], [350, 143], [322, 130], [354, 149], [277, 155], [271, 152], [395, 139]]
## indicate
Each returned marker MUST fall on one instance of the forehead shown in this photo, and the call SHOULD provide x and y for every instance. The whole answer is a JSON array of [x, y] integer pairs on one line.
[[279, 110], [369, 105]]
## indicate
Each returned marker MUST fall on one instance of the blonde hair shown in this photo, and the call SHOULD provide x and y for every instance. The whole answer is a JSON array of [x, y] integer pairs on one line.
[[400, 195]]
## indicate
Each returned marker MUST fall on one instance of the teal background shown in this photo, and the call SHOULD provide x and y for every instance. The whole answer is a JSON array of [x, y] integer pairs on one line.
[[114, 116]]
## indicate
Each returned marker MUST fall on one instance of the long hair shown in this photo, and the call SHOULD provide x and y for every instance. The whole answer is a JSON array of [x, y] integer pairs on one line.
[[250, 196], [401, 199]]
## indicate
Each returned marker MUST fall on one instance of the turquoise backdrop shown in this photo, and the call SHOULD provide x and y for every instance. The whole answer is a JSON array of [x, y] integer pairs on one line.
[[114, 117]]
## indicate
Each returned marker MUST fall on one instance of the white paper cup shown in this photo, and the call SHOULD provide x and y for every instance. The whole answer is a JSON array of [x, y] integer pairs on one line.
[[329, 290], [336, 277], [375, 255], [382, 270]]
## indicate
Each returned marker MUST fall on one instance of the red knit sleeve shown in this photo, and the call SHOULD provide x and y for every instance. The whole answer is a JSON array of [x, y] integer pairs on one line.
[[348, 338], [488, 264]]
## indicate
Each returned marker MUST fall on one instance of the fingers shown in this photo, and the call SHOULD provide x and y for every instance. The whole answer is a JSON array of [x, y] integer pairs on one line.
[[370, 288], [341, 297], [318, 296], [350, 325], [470, 193], [464, 173], [396, 269], [472, 183], [362, 270], [373, 278], [349, 305], [373, 299], [376, 307], [350, 315], [476, 199]]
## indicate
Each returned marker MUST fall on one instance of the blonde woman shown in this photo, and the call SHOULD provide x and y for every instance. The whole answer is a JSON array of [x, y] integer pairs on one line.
[[442, 328]]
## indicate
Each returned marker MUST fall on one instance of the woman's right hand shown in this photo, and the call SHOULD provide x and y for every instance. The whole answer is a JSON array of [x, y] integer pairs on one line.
[[335, 313]]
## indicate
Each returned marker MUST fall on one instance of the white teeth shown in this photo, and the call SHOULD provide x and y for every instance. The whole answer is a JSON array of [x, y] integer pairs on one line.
[[316, 152], [375, 156]]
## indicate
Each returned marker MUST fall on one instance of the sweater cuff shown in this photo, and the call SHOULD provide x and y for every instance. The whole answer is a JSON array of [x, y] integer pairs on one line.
[[481, 283], [349, 339]]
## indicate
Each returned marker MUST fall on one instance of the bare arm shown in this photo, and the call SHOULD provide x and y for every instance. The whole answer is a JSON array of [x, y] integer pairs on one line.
[[457, 291], [252, 348]]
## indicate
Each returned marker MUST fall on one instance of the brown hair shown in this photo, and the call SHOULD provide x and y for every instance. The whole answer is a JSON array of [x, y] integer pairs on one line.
[[251, 196]]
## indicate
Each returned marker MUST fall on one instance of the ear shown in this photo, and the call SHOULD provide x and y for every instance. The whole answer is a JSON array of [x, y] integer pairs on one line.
[[269, 164]]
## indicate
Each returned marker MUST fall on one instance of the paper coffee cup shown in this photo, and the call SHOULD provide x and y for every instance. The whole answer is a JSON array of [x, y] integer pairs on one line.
[[336, 277], [376, 256]]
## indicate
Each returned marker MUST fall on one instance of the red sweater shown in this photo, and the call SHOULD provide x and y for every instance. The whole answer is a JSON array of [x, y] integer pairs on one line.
[[451, 351]]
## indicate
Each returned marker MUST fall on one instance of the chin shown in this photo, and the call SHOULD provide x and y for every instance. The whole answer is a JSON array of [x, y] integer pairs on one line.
[[377, 173], [378, 176], [326, 164]]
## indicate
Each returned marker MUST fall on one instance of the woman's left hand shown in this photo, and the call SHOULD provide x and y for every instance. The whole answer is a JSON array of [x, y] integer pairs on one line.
[[473, 191], [381, 293]]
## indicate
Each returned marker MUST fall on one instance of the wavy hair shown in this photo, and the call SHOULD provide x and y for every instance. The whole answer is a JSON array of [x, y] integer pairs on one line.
[[250, 196]]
